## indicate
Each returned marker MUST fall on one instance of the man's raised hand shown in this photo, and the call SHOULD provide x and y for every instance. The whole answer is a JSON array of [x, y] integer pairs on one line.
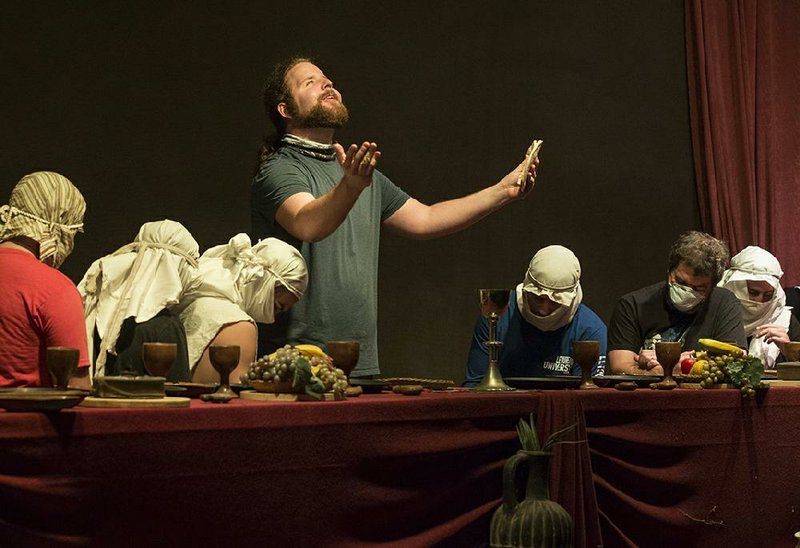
[[358, 163]]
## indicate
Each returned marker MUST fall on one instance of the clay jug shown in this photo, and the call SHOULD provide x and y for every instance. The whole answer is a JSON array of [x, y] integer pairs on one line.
[[535, 521]]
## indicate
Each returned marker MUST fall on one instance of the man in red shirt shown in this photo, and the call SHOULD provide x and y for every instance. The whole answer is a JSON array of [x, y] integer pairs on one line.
[[39, 306]]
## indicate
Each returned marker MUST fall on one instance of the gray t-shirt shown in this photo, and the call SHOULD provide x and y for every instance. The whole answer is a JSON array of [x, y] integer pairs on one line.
[[341, 301]]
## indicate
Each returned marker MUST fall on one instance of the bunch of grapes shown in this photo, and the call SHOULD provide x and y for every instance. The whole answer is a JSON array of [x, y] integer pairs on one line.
[[278, 368], [715, 371], [730, 369], [333, 378], [748, 391]]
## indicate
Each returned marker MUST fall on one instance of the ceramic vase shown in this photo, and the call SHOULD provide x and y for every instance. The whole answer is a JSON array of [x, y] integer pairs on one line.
[[535, 521]]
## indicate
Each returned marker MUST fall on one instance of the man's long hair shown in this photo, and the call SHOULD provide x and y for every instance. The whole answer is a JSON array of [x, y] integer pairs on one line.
[[276, 91]]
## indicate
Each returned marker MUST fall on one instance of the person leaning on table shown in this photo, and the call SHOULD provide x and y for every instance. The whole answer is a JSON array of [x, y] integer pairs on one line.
[[685, 307], [754, 277], [545, 315], [39, 306], [129, 298], [241, 284]]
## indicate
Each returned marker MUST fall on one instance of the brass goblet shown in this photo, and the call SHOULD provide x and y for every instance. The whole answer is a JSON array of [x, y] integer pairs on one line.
[[344, 354], [668, 354], [158, 357], [493, 304], [224, 359], [586, 354], [61, 364]]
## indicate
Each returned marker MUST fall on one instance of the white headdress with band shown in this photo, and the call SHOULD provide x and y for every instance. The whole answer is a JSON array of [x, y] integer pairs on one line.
[[238, 284], [554, 272], [47, 208], [138, 280]]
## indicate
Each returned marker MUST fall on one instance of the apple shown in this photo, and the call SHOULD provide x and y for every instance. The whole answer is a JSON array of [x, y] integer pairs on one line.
[[686, 365]]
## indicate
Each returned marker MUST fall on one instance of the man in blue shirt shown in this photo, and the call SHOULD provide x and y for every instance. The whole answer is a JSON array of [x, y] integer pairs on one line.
[[545, 315]]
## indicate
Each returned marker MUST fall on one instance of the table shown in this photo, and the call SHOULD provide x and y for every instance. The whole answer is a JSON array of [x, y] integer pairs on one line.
[[377, 469], [696, 468], [396, 470]]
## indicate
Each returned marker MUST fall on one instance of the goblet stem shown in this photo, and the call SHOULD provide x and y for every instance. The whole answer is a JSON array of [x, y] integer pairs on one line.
[[225, 384], [586, 354], [587, 383], [668, 354], [224, 359], [492, 379]]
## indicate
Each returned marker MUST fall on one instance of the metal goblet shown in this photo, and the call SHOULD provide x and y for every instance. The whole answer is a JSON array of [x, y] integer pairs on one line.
[[494, 303], [61, 364], [586, 354], [668, 355], [158, 357], [224, 359]]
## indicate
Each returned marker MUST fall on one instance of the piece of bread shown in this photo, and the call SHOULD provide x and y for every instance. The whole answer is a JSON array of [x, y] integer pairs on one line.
[[530, 156]]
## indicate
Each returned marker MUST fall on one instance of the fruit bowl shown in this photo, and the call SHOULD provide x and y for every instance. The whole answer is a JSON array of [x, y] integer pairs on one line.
[[272, 387]]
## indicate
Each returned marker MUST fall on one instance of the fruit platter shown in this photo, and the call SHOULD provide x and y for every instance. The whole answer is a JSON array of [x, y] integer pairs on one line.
[[301, 370], [722, 365]]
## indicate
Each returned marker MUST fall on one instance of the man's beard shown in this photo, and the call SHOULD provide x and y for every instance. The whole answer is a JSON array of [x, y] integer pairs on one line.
[[333, 116]]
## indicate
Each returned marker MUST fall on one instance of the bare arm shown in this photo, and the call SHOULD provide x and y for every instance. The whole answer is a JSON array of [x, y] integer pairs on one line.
[[626, 362], [417, 220], [643, 363], [312, 219]]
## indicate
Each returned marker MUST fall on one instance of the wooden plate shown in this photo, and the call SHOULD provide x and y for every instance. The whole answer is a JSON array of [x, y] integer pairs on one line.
[[39, 399], [272, 387]]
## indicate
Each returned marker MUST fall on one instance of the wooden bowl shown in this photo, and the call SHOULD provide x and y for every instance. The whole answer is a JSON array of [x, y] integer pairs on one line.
[[344, 354], [284, 387]]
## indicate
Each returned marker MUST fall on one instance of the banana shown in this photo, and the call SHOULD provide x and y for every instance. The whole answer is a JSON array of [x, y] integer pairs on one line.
[[311, 350], [719, 347], [308, 350]]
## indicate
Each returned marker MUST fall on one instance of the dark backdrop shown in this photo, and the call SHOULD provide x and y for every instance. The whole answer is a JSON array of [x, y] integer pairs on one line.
[[154, 110]]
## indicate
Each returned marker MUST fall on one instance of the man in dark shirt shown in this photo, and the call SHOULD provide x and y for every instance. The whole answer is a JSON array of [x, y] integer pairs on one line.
[[686, 307]]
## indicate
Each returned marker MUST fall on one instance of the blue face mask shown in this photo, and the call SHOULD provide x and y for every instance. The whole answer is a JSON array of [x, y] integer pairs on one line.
[[684, 298]]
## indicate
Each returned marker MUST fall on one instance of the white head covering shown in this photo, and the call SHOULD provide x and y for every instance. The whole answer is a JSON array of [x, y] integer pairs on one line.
[[45, 207], [138, 280], [756, 264], [282, 264], [238, 284], [554, 272]]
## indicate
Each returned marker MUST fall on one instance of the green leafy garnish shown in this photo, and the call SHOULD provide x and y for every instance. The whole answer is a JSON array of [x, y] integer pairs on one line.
[[746, 371], [529, 438], [304, 381]]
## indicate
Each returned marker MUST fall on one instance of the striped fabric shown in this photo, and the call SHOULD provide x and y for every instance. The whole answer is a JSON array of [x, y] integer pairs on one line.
[[45, 207]]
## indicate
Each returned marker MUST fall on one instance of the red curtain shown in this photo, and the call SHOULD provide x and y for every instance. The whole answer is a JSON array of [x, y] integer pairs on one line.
[[743, 60]]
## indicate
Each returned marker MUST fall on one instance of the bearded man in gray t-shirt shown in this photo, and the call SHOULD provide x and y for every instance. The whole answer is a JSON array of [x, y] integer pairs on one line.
[[331, 204]]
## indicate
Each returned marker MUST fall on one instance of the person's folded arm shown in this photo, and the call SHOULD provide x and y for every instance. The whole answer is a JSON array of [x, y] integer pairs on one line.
[[624, 341]]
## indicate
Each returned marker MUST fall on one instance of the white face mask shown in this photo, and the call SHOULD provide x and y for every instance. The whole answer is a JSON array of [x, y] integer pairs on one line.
[[560, 317], [754, 309], [556, 319], [684, 298]]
